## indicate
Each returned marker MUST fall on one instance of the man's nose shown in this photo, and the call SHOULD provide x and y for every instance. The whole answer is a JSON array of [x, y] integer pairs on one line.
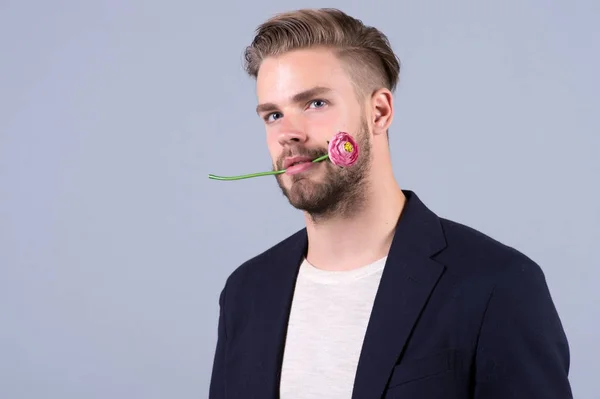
[[291, 132]]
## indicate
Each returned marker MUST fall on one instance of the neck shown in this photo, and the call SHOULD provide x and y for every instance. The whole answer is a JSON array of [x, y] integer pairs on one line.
[[348, 243]]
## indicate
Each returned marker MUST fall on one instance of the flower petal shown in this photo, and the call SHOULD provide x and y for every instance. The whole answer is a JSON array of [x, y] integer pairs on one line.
[[343, 150]]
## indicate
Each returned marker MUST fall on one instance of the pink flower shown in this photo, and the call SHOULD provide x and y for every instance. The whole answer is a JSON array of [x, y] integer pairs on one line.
[[343, 150]]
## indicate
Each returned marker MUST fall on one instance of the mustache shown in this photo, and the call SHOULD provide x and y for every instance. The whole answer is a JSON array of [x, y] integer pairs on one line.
[[301, 152]]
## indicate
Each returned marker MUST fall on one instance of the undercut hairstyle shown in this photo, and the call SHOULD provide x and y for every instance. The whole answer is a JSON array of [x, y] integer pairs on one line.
[[365, 52]]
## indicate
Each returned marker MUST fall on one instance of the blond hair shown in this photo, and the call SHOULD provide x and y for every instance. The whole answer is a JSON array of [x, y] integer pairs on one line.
[[366, 52]]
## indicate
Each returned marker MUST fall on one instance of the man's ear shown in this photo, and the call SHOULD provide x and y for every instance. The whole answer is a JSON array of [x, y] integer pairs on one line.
[[382, 111]]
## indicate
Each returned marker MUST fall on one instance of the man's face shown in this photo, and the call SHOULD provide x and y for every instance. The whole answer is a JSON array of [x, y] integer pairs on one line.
[[306, 97]]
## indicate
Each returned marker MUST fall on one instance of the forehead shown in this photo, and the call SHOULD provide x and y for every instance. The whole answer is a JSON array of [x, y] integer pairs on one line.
[[280, 78]]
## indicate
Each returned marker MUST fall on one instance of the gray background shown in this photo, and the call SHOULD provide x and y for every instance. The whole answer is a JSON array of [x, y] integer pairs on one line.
[[114, 244]]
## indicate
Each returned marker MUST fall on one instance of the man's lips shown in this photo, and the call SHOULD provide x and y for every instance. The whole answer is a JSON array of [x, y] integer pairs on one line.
[[299, 168], [295, 160]]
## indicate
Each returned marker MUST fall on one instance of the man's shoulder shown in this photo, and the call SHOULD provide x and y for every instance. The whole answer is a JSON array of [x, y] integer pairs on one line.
[[474, 252], [256, 266]]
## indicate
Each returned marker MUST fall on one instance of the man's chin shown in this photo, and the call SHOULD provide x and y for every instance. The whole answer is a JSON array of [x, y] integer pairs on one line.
[[301, 187], [306, 204], [302, 180]]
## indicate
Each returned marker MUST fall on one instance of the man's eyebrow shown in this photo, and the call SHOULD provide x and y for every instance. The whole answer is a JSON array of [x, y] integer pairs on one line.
[[301, 97]]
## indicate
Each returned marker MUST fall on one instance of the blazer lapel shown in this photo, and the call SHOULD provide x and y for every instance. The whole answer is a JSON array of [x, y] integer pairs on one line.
[[272, 314], [406, 284]]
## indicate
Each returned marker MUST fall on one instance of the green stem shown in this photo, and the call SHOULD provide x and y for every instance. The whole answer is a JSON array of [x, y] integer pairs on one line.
[[272, 172]]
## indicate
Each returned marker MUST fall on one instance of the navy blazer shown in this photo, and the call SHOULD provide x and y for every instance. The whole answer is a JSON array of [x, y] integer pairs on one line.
[[457, 315]]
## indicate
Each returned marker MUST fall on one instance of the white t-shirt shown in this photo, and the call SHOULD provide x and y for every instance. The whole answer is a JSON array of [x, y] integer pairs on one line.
[[329, 316]]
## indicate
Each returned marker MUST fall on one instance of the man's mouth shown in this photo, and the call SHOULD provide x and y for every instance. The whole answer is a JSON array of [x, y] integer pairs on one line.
[[293, 161], [299, 166], [298, 163]]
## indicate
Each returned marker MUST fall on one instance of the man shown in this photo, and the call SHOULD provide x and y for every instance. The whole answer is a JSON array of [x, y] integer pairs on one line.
[[377, 296]]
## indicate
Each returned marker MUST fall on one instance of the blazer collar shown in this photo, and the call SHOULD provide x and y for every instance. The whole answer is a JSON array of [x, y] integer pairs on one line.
[[407, 281]]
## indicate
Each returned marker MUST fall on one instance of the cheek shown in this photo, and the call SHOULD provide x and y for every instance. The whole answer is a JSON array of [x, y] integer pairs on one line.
[[323, 119], [273, 146], [324, 125], [272, 138]]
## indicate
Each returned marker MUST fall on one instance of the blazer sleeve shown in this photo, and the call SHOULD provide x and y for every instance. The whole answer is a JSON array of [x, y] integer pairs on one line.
[[522, 350], [217, 382]]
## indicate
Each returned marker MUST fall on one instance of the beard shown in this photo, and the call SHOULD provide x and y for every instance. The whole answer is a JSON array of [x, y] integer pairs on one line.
[[340, 192]]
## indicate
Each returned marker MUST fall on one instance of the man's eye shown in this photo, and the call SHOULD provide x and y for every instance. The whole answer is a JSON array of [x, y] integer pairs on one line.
[[273, 116], [318, 103]]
